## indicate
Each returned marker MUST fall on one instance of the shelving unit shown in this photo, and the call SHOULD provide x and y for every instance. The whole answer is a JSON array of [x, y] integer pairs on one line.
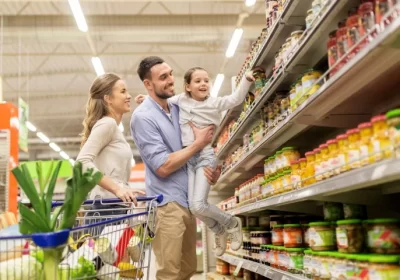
[[365, 86], [260, 269]]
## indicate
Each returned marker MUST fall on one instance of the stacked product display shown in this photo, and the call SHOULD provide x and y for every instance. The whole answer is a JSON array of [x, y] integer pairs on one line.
[[324, 136]]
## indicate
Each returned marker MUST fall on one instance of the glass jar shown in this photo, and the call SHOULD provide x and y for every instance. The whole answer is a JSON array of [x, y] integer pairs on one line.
[[283, 259], [279, 185], [362, 266], [333, 162], [293, 236], [277, 235], [351, 261], [299, 91], [332, 211], [286, 182], [310, 18], [350, 236], [393, 120], [296, 35], [289, 154], [306, 236], [292, 97], [353, 152], [381, 8], [309, 178], [380, 140], [295, 176], [279, 161], [316, 7], [365, 143], [296, 260], [307, 264], [322, 236], [315, 265], [275, 220], [353, 35], [303, 166], [324, 271], [273, 166], [332, 51], [267, 167], [382, 235], [265, 237], [309, 82], [342, 153], [384, 267], [318, 165], [325, 161], [341, 39], [366, 20]]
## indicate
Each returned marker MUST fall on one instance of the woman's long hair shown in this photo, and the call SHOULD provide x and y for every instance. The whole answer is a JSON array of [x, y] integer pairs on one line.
[[96, 107]]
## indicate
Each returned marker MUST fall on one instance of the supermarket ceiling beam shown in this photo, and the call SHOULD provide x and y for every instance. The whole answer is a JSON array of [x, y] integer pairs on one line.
[[133, 1]]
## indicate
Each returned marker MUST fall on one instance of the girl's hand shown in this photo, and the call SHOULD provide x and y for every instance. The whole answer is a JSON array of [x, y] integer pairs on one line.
[[140, 98], [249, 74]]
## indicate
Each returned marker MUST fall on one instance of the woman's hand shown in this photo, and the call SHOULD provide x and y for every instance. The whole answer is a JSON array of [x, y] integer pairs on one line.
[[128, 195], [140, 98]]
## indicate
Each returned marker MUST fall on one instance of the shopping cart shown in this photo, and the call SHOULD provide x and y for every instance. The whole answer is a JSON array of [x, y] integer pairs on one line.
[[110, 240]]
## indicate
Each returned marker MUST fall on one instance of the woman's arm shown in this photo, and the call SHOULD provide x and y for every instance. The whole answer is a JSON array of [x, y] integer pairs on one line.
[[100, 136]]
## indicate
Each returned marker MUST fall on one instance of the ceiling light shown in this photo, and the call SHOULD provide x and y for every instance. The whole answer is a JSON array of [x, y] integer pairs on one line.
[[217, 85], [78, 15], [30, 126], [54, 147], [71, 161], [98, 67], [64, 155], [121, 127], [237, 35], [43, 137], [250, 3]]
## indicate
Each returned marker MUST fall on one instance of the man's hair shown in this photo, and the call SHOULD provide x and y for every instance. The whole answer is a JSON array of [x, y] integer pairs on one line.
[[144, 69]]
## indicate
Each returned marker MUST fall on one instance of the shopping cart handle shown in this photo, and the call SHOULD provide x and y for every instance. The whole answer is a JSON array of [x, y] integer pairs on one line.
[[159, 198]]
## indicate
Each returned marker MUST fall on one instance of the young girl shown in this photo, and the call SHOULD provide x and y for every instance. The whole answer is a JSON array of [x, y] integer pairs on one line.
[[196, 106]]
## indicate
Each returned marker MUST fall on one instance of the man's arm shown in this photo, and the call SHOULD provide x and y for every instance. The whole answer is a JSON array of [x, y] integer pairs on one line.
[[154, 151]]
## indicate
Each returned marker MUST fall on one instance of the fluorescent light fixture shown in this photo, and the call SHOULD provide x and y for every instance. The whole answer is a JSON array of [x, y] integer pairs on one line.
[[54, 147], [250, 3], [217, 85], [98, 67], [78, 15], [121, 127], [64, 155], [237, 35], [43, 137], [30, 126], [71, 161]]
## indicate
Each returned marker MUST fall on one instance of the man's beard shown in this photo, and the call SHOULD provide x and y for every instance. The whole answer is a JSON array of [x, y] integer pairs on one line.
[[162, 95]]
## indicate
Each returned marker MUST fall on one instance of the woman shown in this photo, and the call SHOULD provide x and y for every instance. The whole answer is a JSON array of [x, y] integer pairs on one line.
[[104, 147]]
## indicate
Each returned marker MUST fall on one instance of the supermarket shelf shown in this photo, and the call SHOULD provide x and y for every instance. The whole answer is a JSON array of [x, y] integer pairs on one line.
[[333, 104], [260, 269], [292, 17], [311, 49], [380, 173]]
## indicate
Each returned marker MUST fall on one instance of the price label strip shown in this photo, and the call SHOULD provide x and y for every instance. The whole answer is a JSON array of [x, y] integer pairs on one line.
[[238, 267]]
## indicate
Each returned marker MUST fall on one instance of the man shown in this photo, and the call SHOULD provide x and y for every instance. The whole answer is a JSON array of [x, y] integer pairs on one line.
[[156, 132]]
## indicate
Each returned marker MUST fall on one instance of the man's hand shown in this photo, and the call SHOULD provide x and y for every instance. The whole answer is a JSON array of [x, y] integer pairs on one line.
[[203, 136], [140, 98], [212, 174]]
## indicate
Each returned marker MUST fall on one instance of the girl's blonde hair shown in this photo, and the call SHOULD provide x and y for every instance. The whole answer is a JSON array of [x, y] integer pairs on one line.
[[96, 107]]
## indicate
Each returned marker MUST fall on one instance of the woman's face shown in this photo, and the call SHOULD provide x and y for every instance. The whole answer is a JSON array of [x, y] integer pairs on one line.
[[199, 87], [120, 100]]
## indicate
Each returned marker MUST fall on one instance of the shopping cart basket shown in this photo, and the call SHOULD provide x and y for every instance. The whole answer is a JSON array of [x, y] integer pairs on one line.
[[110, 240]]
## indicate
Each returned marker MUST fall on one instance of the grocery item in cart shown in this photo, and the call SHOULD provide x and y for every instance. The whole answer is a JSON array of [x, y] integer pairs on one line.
[[383, 236], [350, 236], [106, 250]]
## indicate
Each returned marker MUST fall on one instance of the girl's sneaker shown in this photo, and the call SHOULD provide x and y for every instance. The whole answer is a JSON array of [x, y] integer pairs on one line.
[[220, 243], [236, 235]]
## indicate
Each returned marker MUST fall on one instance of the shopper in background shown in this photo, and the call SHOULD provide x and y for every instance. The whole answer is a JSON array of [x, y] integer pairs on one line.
[[104, 147], [156, 132], [197, 106]]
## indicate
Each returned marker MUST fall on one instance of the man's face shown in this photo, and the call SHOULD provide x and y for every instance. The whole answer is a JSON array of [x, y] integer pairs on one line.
[[162, 81]]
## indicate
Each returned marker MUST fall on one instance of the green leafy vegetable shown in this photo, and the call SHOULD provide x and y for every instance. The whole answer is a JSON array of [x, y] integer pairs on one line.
[[85, 269]]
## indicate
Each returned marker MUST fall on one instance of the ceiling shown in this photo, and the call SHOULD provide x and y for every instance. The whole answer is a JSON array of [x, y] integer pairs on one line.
[[47, 61]]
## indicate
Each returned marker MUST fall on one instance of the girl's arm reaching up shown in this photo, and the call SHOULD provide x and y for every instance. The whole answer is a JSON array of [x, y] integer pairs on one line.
[[234, 99]]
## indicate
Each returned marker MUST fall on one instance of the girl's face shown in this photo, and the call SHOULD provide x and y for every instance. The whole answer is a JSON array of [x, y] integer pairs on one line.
[[199, 87]]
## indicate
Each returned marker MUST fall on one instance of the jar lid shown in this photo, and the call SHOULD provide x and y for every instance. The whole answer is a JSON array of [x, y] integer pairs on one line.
[[351, 256], [317, 150], [383, 221], [296, 32], [320, 224], [378, 118], [295, 249], [364, 125], [393, 113], [342, 137], [332, 141], [384, 259], [277, 226], [287, 172], [363, 257], [294, 162], [291, 225], [309, 153], [352, 131], [310, 11], [278, 153], [302, 160], [323, 146], [288, 148], [308, 252], [349, 222]]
